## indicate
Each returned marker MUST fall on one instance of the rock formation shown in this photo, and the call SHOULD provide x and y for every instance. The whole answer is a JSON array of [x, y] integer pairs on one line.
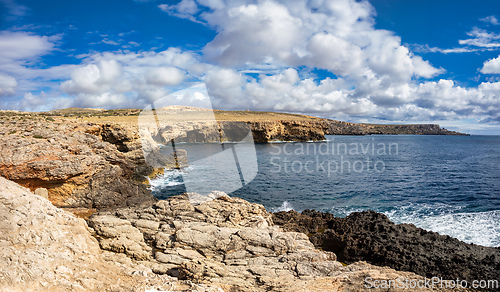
[[286, 130], [80, 164], [372, 237], [188, 124], [228, 242], [43, 248]]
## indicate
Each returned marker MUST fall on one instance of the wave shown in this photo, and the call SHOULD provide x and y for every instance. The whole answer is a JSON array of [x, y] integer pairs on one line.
[[169, 178], [286, 206], [479, 227], [472, 227]]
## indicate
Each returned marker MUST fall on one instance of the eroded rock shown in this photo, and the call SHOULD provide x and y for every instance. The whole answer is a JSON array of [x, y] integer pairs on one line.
[[220, 241], [372, 237], [44, 248]]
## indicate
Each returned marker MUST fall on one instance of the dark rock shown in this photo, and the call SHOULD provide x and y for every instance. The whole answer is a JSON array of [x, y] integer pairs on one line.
[[109, 188], [372, 237]]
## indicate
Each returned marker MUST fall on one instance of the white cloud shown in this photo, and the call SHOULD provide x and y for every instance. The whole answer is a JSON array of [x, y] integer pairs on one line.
[[184, 9], [427, 49], [164, 76], [22, 47], [8, 85], [338, 36], [490, 19], [491, 66], [130, 79], [481, 38]]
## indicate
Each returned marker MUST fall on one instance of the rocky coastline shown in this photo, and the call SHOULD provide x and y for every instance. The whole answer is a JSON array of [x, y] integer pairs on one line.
[[197, 125], [286, 130], [372, 237], [130, 241]]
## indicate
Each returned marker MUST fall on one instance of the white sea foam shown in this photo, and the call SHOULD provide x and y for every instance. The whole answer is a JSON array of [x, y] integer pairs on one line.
[[284, 207], [170, 178], [481, 228]]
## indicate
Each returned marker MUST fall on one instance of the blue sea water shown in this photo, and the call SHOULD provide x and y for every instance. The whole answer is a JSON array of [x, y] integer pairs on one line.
[[447, 184]]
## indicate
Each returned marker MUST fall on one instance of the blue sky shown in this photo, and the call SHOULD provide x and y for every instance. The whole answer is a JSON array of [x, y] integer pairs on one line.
[[380, 61]]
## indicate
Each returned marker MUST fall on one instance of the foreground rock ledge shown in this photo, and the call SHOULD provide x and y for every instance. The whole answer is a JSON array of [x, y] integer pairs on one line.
[[228, 242], [43, 248]]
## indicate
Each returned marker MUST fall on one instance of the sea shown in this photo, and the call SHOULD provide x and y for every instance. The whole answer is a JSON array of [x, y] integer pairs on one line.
[[446, 184]]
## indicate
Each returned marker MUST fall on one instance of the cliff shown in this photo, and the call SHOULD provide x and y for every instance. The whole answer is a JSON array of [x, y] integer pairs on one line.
[[80, 164], [290, 130], [418, 129], [200, 125]]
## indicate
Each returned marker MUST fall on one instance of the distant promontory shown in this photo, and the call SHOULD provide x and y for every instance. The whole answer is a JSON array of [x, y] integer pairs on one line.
[[193, 124]]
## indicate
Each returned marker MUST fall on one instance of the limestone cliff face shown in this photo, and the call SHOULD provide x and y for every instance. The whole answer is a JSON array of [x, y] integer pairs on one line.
[[286, 130], [74, 161], [418, 129], [300, 131]]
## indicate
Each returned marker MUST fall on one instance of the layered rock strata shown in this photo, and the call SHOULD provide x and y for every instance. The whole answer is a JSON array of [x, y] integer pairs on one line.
[[285, 130], [80, 164]]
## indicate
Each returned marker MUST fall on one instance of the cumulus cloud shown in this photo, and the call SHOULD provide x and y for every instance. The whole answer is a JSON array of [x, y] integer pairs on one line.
[[129, 79], [491, 66], [20, 53], [23, 47], [164, 76], [338, 36]]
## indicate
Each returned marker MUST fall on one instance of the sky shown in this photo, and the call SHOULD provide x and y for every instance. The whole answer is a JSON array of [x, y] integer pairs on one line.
[[378, 61]]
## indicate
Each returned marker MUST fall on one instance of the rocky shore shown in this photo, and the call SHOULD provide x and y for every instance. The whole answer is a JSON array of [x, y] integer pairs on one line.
[[372, 237], [130, 241], [224, 244]]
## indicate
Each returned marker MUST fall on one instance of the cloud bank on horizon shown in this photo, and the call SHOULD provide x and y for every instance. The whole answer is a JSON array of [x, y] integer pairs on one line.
[[326, 58]]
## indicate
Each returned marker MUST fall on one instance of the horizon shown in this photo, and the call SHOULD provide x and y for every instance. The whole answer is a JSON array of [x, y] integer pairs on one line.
[[378, 62]]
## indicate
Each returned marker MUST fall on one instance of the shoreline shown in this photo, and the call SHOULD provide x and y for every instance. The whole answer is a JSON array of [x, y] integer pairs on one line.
[[93, 169]]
